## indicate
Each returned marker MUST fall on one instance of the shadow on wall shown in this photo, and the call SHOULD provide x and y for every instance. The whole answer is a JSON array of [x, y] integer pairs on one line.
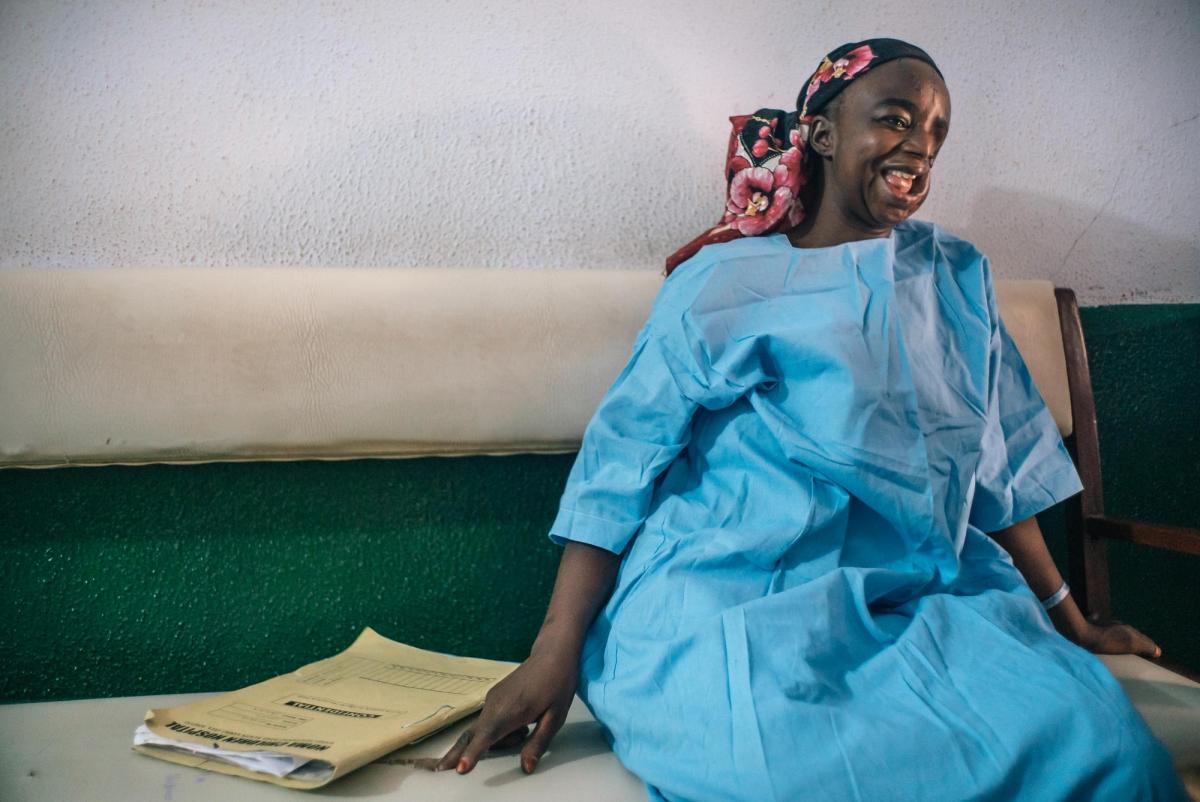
[[1104, 257]]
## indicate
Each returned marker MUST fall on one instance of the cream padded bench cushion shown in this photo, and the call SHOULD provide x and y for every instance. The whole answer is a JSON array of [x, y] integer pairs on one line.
[[138, 365]]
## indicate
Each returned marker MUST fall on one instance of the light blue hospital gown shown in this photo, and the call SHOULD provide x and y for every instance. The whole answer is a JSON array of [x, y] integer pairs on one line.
[[799, 462]]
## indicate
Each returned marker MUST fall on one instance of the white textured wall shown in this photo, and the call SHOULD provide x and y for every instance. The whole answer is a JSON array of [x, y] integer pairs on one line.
[[570, 134]]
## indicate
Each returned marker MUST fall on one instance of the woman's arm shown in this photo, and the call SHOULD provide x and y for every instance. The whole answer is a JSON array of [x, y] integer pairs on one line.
[[542, 688], [1024, 542]]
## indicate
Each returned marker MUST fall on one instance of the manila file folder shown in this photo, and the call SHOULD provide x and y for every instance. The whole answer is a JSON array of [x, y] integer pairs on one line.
[[322, 721]]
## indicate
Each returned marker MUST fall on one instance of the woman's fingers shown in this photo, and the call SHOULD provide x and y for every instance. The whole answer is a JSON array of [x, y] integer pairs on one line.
[[1124, 639], [550, 723], [512, 740], [1117, 638], [491, 729], [480, 741], [1143, 646], [451, 758]]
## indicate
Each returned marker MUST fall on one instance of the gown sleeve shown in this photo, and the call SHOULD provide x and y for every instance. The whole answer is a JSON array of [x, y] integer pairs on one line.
[[1024, 466], [641, 424]]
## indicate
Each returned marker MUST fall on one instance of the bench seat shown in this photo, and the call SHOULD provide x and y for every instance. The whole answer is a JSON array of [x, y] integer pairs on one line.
[[57, 751]]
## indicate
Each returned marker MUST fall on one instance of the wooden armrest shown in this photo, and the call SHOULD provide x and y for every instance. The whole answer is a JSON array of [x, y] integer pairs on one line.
[[1173, 538]]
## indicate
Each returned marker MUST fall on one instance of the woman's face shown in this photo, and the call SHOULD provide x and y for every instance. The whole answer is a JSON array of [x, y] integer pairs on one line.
[[880, 140]]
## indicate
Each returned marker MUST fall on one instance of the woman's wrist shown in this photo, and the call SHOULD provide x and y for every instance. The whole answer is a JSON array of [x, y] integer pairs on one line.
[[1054, 599], [1069, 620], [558, 638], [585, 578], [563, 631]]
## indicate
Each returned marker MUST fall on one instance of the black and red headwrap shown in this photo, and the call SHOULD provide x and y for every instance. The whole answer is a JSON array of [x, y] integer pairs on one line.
[[767, 161]]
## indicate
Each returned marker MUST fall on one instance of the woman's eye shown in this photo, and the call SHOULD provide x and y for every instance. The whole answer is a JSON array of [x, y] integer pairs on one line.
[[896, 122]]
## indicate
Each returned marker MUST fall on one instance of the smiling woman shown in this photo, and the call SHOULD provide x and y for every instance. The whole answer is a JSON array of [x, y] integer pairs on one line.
[[801, 559]]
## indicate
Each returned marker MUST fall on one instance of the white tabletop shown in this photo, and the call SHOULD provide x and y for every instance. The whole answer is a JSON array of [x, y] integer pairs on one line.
[[64, 751]]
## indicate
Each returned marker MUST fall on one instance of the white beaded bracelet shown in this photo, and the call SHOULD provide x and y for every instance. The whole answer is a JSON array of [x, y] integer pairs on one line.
[[1056, 597]]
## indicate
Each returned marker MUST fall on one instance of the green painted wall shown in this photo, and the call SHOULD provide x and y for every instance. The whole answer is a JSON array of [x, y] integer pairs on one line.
[[156, 579]]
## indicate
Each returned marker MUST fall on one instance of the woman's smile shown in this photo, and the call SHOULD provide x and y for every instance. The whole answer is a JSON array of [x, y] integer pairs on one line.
[[900, 181], [908, 183], [904, 190]]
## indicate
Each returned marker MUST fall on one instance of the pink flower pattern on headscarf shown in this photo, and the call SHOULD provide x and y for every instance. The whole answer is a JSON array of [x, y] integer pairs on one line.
[[845, 68], [755, 202], [765, 179]]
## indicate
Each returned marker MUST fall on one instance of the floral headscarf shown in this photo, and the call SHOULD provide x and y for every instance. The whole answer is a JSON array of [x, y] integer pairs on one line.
[[767, 164]]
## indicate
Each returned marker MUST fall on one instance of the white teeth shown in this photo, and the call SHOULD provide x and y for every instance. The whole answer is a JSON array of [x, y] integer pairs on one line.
[[900, 181]]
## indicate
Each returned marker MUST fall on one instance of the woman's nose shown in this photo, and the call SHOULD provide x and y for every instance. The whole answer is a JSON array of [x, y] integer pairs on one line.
[[921, 143]]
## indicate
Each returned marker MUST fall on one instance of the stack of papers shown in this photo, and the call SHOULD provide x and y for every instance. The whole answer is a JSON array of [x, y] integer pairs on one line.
[[309, 727], [273, 763]]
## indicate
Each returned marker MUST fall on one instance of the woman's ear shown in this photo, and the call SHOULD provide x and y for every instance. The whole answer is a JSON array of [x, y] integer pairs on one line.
[[822, 136]]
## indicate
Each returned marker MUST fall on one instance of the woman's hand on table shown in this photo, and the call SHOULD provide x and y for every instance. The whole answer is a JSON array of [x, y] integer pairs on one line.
[[1108, 637], [1114, 638], [539, 691]]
